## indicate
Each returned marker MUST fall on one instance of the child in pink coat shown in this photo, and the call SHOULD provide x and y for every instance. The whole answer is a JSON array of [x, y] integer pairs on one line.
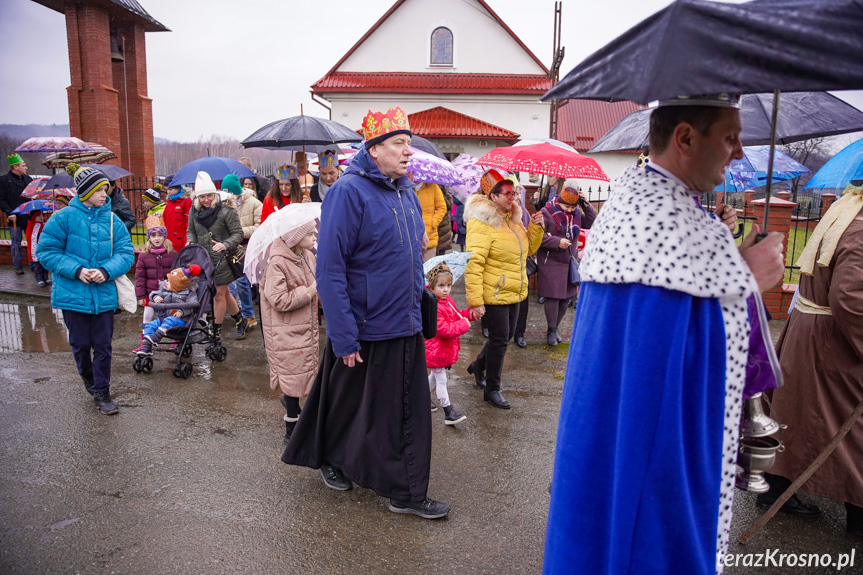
[[442, 350]]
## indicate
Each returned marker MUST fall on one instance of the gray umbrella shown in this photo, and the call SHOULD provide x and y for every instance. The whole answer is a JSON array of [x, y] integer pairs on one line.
[[803, 115]]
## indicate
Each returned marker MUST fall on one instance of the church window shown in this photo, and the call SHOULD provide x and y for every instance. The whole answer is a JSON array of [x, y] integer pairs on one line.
[[441, 47]]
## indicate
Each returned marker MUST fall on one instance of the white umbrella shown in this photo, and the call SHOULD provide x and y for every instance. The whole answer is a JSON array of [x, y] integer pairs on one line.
[[277, 225]]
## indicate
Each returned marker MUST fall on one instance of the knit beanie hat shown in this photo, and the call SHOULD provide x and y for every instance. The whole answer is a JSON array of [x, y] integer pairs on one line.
[[231, 183], [181, 278], [293, 237], [87, 180], [153, 194], [569, 195], [13, 159], [204, 184]]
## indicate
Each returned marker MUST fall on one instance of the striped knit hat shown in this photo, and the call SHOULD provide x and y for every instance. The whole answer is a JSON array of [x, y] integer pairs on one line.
[[87, 180]]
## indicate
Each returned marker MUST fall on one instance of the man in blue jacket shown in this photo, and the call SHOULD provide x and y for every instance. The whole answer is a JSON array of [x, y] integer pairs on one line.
[[86, 248], [367, 417]]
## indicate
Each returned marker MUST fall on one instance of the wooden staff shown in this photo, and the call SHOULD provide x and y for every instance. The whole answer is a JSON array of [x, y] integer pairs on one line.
[[804, 477]]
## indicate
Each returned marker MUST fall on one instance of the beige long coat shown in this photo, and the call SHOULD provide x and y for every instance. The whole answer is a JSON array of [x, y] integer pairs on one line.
[[289, 314], [822, 362]]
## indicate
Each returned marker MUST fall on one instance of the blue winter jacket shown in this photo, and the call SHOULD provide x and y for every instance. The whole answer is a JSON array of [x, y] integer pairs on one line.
[[369, 274], [78, 236]]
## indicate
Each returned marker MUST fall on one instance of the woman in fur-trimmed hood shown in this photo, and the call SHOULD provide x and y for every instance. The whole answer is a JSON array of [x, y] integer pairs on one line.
[[496, 276]]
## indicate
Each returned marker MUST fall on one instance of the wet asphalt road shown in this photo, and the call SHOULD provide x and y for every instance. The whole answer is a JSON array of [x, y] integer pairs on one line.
[[187, 478]]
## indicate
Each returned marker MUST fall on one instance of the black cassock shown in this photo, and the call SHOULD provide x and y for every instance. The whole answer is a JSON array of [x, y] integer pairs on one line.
[[372, 420]]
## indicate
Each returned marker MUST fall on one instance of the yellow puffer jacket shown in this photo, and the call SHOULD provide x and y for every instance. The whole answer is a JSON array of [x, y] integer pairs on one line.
[[434, 209], [496, 274]]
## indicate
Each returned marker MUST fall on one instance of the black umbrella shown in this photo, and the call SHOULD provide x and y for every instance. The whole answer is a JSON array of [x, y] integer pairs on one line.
[[803, 115], [300, 132], [427, 147], [698, 47], [64, 180]]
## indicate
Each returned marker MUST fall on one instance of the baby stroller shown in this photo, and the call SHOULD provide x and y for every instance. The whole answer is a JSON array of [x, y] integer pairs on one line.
[[196, 330]]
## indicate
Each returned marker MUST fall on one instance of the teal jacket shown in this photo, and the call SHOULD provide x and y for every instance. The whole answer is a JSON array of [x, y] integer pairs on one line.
[[80, 237]]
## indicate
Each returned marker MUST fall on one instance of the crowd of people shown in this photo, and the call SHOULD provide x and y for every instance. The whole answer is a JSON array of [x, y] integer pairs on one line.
[[670, 312]]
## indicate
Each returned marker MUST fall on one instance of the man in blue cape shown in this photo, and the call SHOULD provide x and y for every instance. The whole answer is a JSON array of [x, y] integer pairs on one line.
[[646, 447]]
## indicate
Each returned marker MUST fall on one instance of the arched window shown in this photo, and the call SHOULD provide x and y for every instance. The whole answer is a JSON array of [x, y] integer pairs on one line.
[[441, 47]]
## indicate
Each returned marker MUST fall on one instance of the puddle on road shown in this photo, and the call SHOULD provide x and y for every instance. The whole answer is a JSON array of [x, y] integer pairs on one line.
[[32, 328], [40, 328]]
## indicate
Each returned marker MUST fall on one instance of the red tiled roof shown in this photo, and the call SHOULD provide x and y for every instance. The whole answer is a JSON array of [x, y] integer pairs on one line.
[[398, 3], [420, 83], [581, 123], [441, 122]]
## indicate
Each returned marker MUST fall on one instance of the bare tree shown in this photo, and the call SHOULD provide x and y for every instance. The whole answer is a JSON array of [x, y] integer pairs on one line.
[[813, 154]]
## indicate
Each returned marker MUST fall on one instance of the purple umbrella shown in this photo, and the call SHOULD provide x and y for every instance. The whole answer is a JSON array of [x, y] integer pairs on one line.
[[426, 168], [470, 173], [54, 144]]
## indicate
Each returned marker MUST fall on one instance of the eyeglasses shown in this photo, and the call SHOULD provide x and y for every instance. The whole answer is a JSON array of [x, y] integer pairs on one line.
[[509, 195]]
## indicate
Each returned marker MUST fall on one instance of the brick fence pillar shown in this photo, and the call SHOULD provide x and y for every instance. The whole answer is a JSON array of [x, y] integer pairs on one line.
[[776, 299], [826, 201], [93, 107]]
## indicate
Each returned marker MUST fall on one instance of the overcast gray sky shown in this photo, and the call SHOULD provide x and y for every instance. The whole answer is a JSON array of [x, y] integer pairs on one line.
[[227, 67]]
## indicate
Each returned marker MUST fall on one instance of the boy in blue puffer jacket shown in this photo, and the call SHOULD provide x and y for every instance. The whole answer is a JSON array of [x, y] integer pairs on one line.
[[76, 247]]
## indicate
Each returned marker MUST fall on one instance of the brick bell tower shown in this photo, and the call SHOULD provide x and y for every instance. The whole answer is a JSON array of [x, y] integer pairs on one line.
[[108, 102]]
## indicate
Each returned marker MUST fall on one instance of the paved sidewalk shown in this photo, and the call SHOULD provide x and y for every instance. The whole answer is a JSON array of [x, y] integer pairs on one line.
[[21, 285]]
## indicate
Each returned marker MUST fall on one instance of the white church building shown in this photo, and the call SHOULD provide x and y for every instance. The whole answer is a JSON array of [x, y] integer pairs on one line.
[[457, 91]]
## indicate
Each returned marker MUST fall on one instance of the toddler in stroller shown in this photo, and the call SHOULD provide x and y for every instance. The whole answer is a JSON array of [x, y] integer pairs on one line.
[[176, 289], [192, 300]]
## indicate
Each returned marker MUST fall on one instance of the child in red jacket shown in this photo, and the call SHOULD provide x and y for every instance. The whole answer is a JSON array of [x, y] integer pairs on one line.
[[35, 225], [442, 350]]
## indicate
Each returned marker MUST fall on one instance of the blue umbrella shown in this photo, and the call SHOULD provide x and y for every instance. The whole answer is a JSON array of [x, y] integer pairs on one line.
[[842, 168], [217, 167], [751, 170], [803, 115], [36, 206]]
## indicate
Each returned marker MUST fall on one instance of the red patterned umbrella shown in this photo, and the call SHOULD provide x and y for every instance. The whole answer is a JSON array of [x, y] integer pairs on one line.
[[544, 159], [37, 189]]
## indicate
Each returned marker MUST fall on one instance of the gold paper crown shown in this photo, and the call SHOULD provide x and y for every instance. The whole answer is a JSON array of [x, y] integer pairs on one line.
[[328, 160], [489, 179], [377, 124], [154, 221]]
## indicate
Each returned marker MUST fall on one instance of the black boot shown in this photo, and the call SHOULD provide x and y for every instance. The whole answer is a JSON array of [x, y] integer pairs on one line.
[[854, 525], [478, 374], [103, 402], [795, 505], [551, 337], [242, 328], [496, 398], [289, 428], [217, 334], [88, 383], [452, 416]]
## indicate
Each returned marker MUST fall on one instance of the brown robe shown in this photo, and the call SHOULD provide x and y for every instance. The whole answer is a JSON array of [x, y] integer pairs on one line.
[[822, 361]]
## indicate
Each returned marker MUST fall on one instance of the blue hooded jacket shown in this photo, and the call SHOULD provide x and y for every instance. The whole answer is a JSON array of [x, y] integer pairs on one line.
[[79, 236], [369, 273]]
